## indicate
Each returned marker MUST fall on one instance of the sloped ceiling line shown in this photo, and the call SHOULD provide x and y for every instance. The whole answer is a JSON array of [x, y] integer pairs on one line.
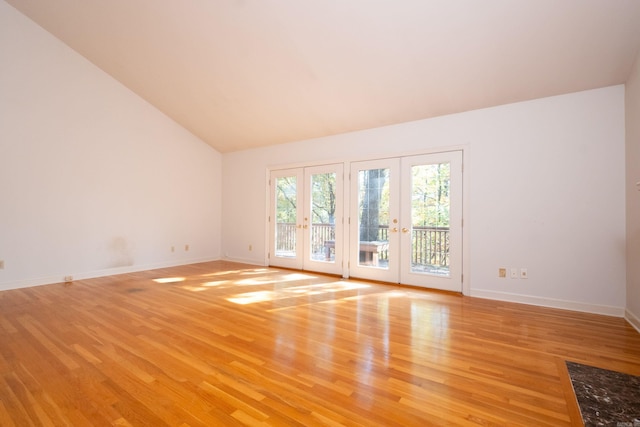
[[248, 73]]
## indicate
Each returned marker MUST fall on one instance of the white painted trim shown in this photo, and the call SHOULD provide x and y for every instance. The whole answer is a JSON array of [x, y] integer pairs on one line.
[[267, 219], [466, 229], [549, 302], [40, 281], [632, 319], [346, 219], [464, 148]]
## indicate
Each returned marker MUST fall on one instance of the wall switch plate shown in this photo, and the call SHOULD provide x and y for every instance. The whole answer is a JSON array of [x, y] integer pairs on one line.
[[1, 264], [524, 274], [514, 273]]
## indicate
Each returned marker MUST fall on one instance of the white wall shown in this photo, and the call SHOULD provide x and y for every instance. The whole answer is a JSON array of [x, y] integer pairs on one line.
[[632, 110], [93, 180], [546, 192]]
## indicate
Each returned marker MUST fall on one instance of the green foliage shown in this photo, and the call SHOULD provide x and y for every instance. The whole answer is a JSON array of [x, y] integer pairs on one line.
[[430, 195], [323, 198], [286, 199], [430, 199]]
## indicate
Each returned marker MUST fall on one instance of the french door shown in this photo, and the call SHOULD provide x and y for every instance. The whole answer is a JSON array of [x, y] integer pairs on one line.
[[306, 218], [406, 220], [375, 220]]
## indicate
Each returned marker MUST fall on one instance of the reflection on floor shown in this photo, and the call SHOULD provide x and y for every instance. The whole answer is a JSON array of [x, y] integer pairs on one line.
[[222, 343]]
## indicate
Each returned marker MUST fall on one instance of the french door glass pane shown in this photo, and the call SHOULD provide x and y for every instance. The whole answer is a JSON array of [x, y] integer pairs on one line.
[[323, 216], [373, 202], [430, 203], [286, 211]]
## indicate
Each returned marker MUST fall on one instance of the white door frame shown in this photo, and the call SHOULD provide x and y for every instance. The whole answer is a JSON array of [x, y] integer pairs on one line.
[[453, 281], [390, 272], [301, 258], [466, 181]]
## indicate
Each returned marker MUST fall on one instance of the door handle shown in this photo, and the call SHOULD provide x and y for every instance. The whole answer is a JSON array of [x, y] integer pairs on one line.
[[405, 230]]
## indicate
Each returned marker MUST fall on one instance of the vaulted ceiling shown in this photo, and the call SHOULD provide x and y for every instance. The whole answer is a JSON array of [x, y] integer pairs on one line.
[[249, 73]]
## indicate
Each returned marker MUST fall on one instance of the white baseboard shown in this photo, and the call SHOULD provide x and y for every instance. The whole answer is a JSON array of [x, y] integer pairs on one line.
[[550, 302], [40, 281], [479, 293], [632, 319]]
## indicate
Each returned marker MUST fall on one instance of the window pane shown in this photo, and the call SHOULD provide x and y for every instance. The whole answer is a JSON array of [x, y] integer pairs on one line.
[[430, 218], [373, 202], [323, 220], [286, 204]]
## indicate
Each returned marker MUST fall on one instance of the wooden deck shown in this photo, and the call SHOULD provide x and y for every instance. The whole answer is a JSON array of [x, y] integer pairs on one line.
[[229, 344]]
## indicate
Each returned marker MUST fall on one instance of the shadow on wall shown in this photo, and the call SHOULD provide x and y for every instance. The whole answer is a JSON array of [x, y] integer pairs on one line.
[[121, 253]]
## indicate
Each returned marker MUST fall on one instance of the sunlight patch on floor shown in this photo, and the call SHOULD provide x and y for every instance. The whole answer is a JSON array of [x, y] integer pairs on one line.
[[262, 279], [267, 281], [293, 292], [170, 280], [242, 272], [207, 285], [258, 271], [216, 283], [253, 297]]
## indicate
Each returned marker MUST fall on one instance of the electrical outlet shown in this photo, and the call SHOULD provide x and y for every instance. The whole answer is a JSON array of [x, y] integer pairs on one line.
[[186, 248], [173, 248], [514, 273], [524, 274], [502, 272], [1, 264], [250, 248], [68, 279]]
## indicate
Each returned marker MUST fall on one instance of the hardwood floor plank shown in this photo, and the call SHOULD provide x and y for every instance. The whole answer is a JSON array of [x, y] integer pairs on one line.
[[15, 413], [36, 330], [6, 418], [223, 343]]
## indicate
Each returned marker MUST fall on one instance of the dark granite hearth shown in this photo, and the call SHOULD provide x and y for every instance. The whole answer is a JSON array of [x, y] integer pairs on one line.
[[606, 398]]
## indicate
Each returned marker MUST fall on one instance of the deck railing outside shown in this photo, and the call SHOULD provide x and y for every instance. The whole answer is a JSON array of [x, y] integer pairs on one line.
[[430, 245]]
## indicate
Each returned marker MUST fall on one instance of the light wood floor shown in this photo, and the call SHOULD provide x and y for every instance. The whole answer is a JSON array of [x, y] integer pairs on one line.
[[231, 344]]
